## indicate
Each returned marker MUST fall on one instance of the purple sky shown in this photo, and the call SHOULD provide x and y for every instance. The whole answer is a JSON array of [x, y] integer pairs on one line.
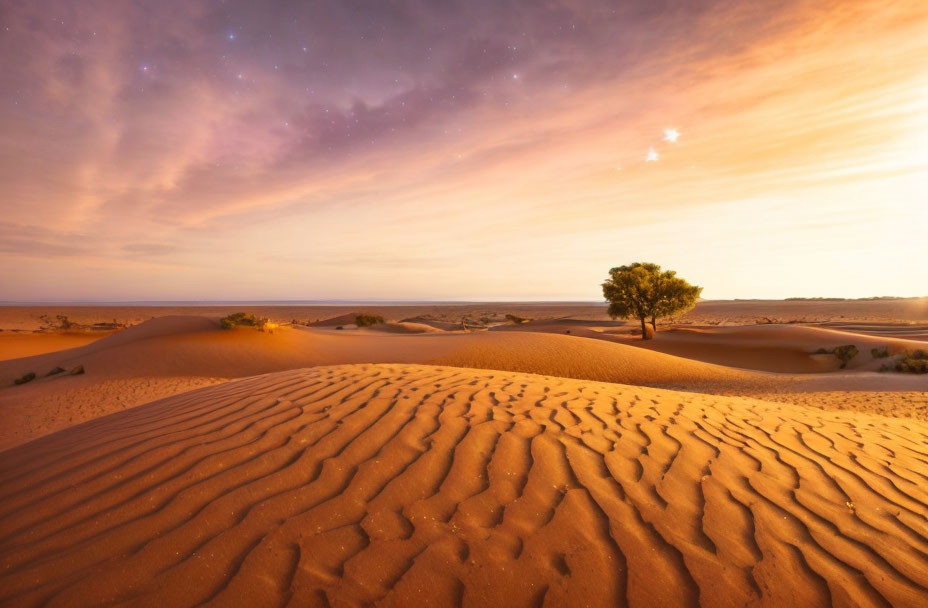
[[460, 150]]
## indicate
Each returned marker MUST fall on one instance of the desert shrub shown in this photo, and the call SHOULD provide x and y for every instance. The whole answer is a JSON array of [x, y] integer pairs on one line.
[[77, 371], [29, 377], [913, 362], [843, 353], [59, 323], [367, 320], [880, 352], [516, 320], [242, 318], [57, 370]]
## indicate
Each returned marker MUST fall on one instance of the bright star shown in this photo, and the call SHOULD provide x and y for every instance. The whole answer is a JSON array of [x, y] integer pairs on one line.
[[652, 155], [671, 135], [231, 35]]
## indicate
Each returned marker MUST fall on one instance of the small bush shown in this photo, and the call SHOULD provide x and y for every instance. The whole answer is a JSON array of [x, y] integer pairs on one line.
[[59, 323], [77, 371], [843, 353], [913, 362], [879, 353], [25, 378], [242, 318], [516, 320], [367, 320], [57, 370]]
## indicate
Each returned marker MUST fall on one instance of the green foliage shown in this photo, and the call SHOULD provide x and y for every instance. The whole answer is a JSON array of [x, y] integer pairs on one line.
[[845, 353], [25, 378], [242, 318], [880, 352], [911, 362], [642, 291], [367, 320]]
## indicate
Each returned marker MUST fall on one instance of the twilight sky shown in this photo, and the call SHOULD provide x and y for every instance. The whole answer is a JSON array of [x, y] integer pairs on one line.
[[462, 149]]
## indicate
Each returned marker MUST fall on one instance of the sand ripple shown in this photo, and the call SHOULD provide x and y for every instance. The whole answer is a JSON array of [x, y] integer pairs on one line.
[[420, 485]]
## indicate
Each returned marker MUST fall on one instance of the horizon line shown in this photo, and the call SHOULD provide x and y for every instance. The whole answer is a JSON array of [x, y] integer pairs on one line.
[[396, 302]]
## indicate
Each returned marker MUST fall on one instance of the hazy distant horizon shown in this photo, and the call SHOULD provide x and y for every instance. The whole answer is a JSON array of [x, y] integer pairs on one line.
[[393, 302]]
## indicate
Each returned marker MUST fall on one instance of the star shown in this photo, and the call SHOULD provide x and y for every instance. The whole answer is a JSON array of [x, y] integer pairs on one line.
[[671, 135], [652, 155]]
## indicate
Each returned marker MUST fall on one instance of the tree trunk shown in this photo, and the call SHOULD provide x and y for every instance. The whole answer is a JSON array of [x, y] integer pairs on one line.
[[654, 324], [644, 329]]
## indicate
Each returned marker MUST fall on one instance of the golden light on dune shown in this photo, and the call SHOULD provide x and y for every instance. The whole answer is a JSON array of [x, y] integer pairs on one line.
[[474, 155]]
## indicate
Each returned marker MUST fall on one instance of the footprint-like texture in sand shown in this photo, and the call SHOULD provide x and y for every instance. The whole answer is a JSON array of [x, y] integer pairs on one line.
[[418, 485]]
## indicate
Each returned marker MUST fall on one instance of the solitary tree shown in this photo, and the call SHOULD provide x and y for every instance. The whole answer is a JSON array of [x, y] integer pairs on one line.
[[642, 291]]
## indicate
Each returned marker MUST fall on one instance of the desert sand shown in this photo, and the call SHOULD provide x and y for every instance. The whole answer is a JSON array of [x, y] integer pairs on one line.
[[876, 314], [424, 485], [554, 462]]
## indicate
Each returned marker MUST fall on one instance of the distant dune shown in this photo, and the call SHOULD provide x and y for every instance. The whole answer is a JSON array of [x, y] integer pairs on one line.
[[768, 347], [169, 355], [707, 312], [412, 485]]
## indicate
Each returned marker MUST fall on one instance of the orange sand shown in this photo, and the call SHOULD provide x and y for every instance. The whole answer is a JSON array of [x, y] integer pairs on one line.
[[18, 345], [411, 485], [169, 355]]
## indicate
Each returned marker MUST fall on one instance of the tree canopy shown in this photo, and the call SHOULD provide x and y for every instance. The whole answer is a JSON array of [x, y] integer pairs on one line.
[[643, 291]]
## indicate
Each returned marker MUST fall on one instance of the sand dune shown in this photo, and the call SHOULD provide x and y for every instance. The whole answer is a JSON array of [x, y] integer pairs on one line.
[[173, 354], [770, 348], [18, 345], [169, 355], [417, 485], [405, 327], [908, 331]]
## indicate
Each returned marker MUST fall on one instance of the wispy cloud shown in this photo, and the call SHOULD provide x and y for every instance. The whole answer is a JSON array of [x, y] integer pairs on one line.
[[322, 141]]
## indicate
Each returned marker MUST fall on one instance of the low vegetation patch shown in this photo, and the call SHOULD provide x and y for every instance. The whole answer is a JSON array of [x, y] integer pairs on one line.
[[56, 371], [880, 352], [909, 362], [517, 320], [59, 323], [245, 319], [367, 320], [843, 353], [25, 378], [77, 371]]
